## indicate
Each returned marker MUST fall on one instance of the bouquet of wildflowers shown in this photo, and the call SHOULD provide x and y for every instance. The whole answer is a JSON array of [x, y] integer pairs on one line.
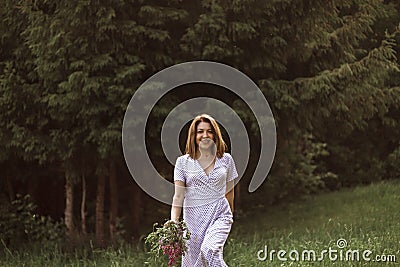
[[169, 240]]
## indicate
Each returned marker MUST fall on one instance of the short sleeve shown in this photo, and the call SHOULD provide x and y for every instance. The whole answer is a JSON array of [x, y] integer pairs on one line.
[[232, 173], [179, 174]]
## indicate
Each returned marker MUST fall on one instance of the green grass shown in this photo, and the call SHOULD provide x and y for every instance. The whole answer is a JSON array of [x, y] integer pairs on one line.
[[366, 217]]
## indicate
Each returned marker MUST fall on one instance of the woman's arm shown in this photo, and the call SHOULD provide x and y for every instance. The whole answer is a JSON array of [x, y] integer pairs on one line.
[[177, 201], [230, 195]]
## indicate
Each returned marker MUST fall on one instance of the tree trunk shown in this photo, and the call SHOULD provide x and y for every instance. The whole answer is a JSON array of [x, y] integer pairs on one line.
[[69, 204], [83, 205], [10, 189], [100, 211], [113, 203], [238, 197], [137, 211]]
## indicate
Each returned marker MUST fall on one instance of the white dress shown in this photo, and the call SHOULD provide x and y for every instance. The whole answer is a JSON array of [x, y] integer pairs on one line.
[[206, 210]]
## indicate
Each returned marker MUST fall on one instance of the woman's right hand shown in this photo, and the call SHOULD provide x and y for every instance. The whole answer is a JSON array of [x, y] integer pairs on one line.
[[169, 222]]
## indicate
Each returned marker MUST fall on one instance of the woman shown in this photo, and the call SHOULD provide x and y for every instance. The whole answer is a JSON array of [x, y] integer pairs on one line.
[[204, 181]]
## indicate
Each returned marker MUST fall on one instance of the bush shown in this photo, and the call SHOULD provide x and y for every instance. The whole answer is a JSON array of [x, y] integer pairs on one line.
[[20, 224], [299, 171]]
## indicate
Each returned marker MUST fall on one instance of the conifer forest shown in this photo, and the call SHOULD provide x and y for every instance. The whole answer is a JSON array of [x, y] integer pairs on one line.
[[329, 70]]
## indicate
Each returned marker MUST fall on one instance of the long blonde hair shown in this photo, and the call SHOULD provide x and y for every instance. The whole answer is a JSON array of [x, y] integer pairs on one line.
[[191, 146]]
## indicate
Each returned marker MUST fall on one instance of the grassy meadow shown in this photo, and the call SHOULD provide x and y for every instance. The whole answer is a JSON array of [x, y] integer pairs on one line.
[[366, 217]]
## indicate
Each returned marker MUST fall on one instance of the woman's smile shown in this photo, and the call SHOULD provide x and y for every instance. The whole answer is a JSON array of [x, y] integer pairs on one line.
[[204, 135]]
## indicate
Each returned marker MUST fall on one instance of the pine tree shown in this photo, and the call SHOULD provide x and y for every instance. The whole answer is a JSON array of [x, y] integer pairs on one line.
[[24, 121], [320, 64]]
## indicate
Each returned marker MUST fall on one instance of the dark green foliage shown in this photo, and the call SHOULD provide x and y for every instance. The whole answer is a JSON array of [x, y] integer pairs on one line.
[[22, 117], [89, 67], [329, 70], [19, 222], [301, 172]]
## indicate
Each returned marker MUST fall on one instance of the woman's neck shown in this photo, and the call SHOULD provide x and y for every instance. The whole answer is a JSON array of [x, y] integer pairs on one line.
[[207, 153]]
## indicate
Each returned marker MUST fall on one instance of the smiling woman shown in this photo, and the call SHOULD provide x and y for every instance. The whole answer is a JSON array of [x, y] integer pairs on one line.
[[204, 180]]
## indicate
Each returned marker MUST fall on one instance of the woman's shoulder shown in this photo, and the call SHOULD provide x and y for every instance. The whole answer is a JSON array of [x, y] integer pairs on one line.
[[227, 157], [185, 162], [183, 158]]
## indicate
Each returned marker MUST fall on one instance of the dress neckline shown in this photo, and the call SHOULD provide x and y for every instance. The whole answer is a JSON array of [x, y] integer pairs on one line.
[[204, 171]]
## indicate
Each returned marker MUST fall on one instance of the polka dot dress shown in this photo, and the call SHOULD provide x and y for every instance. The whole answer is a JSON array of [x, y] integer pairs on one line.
[[206, 211]]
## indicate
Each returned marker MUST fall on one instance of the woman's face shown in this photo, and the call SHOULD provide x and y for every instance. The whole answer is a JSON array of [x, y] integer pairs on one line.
[[204, 135]]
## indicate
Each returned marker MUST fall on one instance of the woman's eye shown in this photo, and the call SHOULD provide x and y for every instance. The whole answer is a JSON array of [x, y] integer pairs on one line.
[[209, 131]]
